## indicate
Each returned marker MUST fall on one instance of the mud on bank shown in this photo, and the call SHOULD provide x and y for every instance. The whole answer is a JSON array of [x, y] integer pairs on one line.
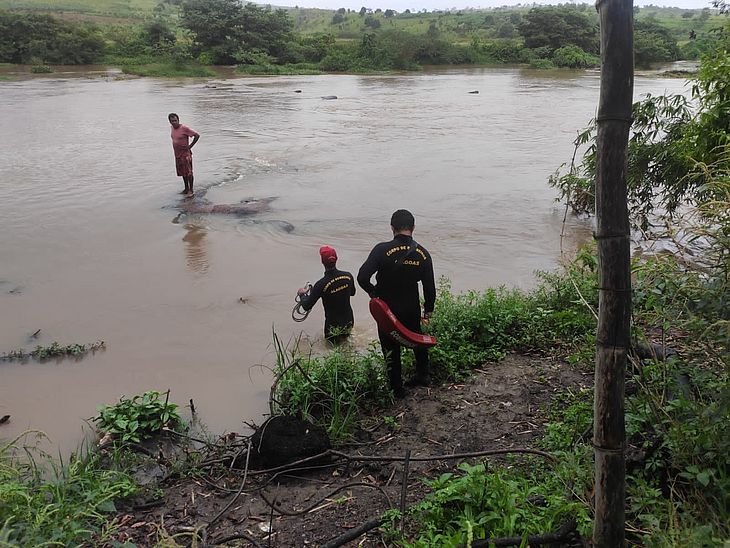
[[503, 407]]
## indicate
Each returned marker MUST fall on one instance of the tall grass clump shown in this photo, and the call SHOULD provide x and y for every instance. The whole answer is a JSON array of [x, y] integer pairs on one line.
[[330, 390], [475, 327], [477, 502], [44, 503], [171, 69]]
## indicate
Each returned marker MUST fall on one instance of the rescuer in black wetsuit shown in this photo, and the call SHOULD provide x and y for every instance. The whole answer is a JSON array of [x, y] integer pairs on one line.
[[399, 265], [335, 288]]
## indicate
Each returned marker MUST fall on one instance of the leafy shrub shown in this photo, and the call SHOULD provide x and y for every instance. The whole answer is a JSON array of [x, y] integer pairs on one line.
[[571, 56], [474, 327], [541, 64], [56, 505], [478, 503], [330, 390], [138, 418], [341, 58]]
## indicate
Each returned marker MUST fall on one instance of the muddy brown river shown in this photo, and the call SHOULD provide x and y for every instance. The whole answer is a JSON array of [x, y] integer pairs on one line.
[[92, 246]]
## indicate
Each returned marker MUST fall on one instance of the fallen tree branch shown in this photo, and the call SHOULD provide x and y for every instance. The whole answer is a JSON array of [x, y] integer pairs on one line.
[[492, 452], [368, 458], [561, 535], [236, 537], [352, 534], [238, 493]]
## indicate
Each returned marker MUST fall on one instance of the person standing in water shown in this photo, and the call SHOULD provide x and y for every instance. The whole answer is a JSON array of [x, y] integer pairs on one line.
[[183, 151], [399, 265], [335, 288]]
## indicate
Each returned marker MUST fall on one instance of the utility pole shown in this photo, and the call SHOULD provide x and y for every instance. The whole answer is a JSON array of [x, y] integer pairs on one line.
[[614, 278]]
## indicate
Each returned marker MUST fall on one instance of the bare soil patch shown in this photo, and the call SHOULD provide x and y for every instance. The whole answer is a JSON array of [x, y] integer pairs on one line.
[[503, 407]]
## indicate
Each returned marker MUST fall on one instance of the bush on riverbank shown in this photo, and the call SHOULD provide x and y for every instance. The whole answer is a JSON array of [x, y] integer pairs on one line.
[[44, 503], [42, 39], [169, 70]]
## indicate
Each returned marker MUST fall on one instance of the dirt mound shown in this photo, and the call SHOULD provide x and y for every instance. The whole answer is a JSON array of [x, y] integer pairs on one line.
[[281, 440]]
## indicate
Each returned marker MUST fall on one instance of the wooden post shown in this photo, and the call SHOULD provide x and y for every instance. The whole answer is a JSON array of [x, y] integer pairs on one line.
[[614, 279]]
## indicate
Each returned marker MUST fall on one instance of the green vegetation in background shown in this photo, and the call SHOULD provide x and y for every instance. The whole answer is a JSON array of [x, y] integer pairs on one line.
[[679, 154], [180, 35], [40, 39], [133, 9]]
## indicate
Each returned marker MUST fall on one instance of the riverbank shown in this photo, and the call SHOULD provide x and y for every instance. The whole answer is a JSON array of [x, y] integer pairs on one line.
[[503, 408], [499, 449]]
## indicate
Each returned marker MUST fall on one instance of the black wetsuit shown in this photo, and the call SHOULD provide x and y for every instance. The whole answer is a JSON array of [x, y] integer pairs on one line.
[[399, 265], [335, 288]]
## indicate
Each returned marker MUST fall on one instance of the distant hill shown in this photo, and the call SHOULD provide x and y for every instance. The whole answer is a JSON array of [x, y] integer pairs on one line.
[[489, 23], [101, 10]]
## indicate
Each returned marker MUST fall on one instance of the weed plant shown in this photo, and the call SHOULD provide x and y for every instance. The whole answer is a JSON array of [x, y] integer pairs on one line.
[[44, 503], [476, 503], [54, 350], [139, 418], [331, 390], [171, 69], [556, 317], [288, 69]]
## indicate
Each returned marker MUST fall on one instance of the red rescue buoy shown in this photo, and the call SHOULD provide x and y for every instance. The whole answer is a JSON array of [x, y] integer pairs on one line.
[[388, 323]]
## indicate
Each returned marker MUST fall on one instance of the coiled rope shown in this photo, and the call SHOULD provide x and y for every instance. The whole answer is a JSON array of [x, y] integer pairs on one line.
[[298, 314]]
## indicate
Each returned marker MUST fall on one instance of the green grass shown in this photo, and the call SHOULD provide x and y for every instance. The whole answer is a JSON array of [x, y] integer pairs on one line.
[[478, 502], [134, 9], [290, 69], [331, 390], [50, 504], [170, 70]]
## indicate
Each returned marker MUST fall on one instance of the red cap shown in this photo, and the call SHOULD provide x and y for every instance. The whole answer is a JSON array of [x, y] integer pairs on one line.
[[328, 254]]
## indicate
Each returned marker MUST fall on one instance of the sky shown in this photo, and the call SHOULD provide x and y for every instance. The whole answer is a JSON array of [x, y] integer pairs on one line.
[[430, 5]]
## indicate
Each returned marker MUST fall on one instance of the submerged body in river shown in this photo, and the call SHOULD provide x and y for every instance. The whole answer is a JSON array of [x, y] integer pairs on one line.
[[245, 207]]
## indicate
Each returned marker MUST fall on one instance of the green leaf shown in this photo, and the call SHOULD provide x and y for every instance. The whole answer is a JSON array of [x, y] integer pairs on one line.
[[704, 477], [106, 506]]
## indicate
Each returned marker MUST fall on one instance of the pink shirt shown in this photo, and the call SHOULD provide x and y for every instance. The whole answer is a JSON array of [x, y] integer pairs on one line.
[[180, 141]]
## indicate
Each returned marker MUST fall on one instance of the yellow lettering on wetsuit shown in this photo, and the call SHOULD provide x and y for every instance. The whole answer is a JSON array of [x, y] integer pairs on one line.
[[333, 280], [338, 289], [394, 249], [405, 248], [414, 263]]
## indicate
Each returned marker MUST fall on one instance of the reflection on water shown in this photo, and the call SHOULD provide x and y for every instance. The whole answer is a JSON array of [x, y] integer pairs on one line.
[[86, 209], [197, 259]]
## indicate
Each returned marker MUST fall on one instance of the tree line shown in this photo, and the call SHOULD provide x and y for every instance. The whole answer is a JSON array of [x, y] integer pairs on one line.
[[226, 32]]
